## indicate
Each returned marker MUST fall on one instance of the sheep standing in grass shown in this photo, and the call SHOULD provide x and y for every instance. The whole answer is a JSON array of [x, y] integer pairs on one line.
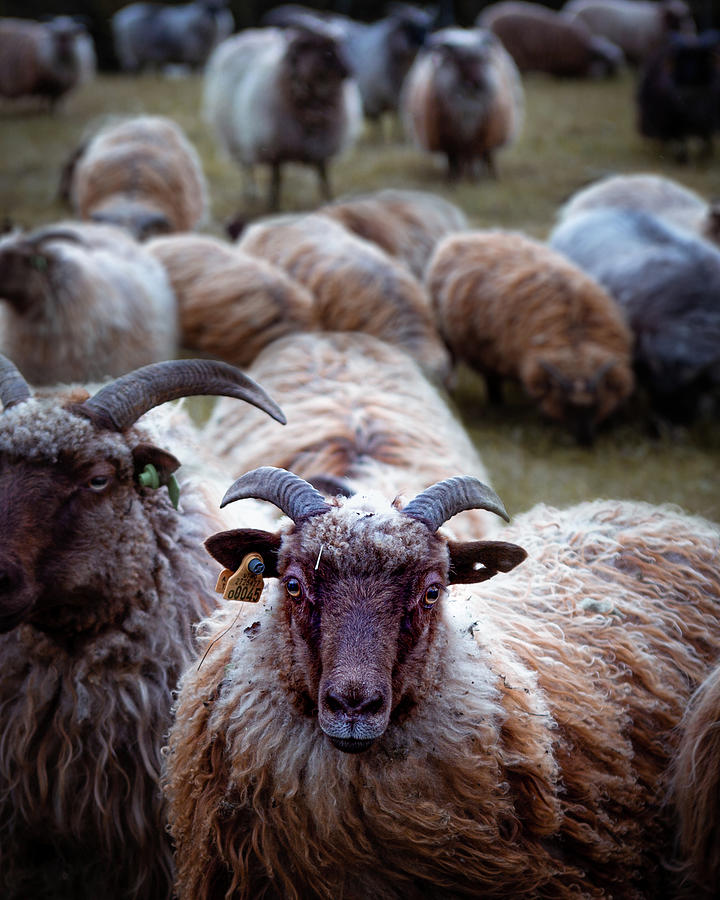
[[356, 286], [81, 302], [143, 174], [463, 98], [230, 304], [381, 727], [511, 307], [360, 413], [101, 582], [276, 95]]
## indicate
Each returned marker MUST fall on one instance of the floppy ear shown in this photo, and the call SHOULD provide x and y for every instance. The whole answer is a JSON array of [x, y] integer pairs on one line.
[[149, 454], [473, 561], [230, 548]]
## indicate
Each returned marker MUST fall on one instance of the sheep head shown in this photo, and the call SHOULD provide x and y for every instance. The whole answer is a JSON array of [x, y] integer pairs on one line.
[[361, 583], [74, 507]]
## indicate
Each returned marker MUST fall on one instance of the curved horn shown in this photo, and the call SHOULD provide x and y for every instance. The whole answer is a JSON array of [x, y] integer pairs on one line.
[[556, 375], [290, 493], [443, 500], [53, 233], [121, 403], [595, 380], [13, 387]]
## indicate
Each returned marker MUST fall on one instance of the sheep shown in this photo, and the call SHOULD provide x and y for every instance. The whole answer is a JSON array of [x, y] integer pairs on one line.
[[356, 286], [655, 194], [360, 413], [405, 224], [667, 282], [42, 59], [638, 27], [102, 580], [275, 95], [152, 34], [381, 726], [463, 98], [82, 302], [543, 40], [141, 173], [230, 304], [510, 307]]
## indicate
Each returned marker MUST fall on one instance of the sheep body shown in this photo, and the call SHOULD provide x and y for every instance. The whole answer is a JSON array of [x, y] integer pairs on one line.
[[655, 194], [356, 286], [143, 174], [542, 40], [529, 757], [281, 95], [230, 304], [82, 302], [511, 307], [359, 410], [463, 97], [667, 282]]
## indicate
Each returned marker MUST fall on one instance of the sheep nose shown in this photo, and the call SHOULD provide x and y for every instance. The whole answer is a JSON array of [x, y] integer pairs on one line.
[[11, 578], [354, 704]]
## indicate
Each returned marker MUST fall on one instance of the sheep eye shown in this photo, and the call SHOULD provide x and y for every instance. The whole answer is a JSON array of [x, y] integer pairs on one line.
[[432, 595], [98, 483], [292, 586]]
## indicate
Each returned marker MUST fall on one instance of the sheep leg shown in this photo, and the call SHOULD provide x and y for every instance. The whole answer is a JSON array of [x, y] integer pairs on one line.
[[493, 385], [324, 180], [490, 165], [275, 180]]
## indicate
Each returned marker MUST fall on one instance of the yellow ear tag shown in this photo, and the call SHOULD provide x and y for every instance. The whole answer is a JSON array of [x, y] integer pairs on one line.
[[247, 582], [223, 580]]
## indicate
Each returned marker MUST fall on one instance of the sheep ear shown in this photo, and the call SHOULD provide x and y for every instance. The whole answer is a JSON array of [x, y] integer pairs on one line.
[[149, 454], [230, 548], [473, 561]]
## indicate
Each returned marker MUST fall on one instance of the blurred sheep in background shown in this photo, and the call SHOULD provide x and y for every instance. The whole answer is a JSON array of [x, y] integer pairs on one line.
[[463, 97]]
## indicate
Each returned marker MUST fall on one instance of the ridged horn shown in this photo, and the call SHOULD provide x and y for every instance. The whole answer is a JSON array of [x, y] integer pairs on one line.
[[290, 493], [13, 387], [121, 403], [441, 501]]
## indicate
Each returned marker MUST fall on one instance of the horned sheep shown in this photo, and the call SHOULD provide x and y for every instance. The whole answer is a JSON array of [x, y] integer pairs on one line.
[[511, 307], [361, 414], [356, 286], [82, 302], [278, 95], [667, 282], [230, 304], [463, 97], [141, 173], [381, 726], [102, 577]]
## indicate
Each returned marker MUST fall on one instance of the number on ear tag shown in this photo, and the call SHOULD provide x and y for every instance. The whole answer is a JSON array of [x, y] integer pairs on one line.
[[246, 583]]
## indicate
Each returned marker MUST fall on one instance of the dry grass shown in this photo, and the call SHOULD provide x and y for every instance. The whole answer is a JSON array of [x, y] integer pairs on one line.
[[574, 133]]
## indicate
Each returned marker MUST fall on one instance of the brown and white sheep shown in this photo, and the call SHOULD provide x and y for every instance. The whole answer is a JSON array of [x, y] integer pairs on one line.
[[143, 174], [360, 412], [510, 307], [275, 95], [230, 304], [406, 224], [655, 194], [463, 97], [101, 583], [356, 286], [380, 727], [82, 302]]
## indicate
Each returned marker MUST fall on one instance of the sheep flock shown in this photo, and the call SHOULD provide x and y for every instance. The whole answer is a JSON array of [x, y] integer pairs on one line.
[[359, 451]]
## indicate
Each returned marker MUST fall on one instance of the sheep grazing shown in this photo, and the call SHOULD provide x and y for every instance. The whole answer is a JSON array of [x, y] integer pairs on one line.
[[382, 727], [511, 307], [463, 98], [143, 174], [638, 27], [360, 414], [542, 40], [275, 95], [102, 580], [82, 302], [356, 286], [155, 35], [230, 304], [43, 60], [655, 194], [405, 224], [667, 282]]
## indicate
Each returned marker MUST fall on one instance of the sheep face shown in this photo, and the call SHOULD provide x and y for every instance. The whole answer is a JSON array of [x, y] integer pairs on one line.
[[23, 274], [361, 586], [316, 66]]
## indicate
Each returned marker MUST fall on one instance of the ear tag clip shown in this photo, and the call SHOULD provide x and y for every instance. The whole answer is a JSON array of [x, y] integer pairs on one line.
[[246, 583], [150, 478]]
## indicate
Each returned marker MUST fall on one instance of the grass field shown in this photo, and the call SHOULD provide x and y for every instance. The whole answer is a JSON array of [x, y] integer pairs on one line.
[[574, 133]]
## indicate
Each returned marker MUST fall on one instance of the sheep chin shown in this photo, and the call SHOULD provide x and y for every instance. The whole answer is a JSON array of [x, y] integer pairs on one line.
[[351, 745]]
